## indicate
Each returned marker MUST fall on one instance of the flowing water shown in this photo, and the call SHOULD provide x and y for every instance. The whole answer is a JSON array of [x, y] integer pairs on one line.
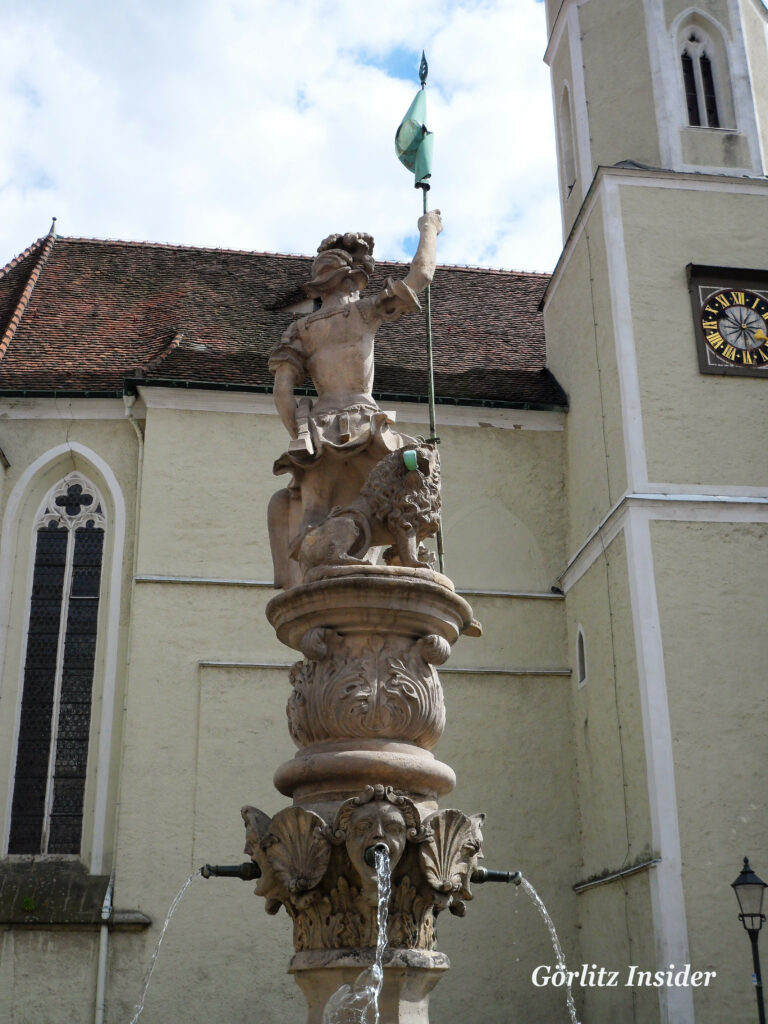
[[559, 958], [358, 1003], [153, 959]]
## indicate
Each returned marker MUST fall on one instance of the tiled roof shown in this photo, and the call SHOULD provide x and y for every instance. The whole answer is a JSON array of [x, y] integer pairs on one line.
[[83, 315]]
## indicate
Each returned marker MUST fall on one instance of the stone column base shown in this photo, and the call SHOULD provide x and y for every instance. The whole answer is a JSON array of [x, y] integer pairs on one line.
[[409, 977]]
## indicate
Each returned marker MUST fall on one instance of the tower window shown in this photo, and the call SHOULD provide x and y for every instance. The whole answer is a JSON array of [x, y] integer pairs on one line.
[[691, 98], [708, 86], [699, 82], [54, 727]]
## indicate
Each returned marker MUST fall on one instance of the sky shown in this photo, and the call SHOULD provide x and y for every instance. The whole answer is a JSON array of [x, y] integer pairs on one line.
[[268, 124]]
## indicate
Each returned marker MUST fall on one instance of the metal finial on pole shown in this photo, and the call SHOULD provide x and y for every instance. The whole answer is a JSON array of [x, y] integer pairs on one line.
[[423, 70]]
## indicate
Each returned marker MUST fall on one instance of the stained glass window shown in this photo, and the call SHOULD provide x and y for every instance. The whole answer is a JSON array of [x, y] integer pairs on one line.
[[52, 753]]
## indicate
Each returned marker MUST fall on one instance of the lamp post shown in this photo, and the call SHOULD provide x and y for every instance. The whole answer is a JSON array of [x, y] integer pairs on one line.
[[749, 891]]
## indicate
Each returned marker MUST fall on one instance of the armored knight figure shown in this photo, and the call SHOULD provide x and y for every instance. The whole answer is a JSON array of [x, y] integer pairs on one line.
[[338, 438]]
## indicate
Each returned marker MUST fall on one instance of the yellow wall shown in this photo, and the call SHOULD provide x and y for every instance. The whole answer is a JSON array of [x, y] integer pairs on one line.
[[619, 89], [711, 583], [707, 444], [200, 740], [581, 353]]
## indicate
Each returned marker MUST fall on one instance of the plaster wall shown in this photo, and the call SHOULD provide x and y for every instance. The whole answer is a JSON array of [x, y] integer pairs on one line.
[[45, 976], [708, 445], [562, 74], [710, 579], [581, 353], [203, 739], [614, 920], [495, 738], [619, 86], [754, 18]]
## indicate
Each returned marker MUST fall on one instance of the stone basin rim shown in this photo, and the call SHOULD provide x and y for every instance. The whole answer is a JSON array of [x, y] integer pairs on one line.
[[409, 605]]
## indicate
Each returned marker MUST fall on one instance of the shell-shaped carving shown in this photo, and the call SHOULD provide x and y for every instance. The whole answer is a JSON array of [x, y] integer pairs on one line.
[[297, 849], [448, 856], [256, 827]]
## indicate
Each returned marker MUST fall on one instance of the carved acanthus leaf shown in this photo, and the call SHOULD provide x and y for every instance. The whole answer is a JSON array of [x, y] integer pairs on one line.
[[386, 688]]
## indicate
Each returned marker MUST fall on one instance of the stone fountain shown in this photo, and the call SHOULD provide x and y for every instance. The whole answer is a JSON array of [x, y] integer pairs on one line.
[[366, 705]]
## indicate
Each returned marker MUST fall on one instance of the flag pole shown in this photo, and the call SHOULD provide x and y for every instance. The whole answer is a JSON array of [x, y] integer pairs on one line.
[[433, 438]]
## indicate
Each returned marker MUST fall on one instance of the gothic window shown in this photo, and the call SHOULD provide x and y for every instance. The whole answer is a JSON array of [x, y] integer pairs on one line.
[[704, 68], [54, 727]]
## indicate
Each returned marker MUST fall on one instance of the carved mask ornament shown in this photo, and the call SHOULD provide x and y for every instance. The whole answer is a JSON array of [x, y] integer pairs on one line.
[[377, 816]]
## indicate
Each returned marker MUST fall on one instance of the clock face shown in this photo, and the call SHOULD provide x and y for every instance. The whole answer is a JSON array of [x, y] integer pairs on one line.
[[735, 326]]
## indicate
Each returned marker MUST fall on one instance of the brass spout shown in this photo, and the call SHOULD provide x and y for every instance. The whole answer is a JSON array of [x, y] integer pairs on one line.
[[247, 871]]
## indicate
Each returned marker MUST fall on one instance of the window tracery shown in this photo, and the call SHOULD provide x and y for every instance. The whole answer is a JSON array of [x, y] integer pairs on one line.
[[54, 728], [705, 74]]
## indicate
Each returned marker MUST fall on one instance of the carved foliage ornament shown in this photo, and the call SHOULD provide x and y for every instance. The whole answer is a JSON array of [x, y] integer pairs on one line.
[[317, 870], [387, 688]]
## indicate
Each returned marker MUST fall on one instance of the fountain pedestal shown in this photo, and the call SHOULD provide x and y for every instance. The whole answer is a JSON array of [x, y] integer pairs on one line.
[[409, 978], [365, 708]]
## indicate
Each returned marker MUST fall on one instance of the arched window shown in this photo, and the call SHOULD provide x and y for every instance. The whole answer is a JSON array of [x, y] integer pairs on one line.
[[567, 152], [54, 726], [705, 76]]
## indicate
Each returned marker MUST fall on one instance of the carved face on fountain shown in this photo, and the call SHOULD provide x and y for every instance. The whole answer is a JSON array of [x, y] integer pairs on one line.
[[369, 825], [378, 815]]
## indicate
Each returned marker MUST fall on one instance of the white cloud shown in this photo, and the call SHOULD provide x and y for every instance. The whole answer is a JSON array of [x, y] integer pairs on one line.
[[265, 124]]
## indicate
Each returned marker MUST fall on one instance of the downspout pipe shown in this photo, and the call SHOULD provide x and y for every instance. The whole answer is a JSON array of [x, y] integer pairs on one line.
[[101, 975]]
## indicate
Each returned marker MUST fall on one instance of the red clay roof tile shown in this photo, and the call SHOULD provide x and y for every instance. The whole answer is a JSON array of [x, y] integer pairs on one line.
[[103, 312]]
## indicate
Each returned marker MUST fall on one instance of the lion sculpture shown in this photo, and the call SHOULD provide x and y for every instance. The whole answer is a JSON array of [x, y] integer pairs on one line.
[[398, 506]]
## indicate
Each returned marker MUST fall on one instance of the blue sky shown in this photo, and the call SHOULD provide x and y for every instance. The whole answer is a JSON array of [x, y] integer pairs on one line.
[[268, 124]]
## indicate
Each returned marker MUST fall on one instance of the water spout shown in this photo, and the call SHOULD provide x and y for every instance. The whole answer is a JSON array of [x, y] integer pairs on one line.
[[358, 1003], [559, 957], [153, 959]]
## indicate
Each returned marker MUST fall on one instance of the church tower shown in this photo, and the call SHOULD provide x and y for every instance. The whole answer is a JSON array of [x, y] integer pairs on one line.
[[656, 320], [659, 83]]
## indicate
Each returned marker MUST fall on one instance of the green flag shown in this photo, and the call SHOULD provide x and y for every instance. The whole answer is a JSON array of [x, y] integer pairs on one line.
[[413, 143]]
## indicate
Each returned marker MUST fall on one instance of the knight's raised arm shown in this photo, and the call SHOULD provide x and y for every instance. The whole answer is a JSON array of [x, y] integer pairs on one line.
[[423, 266]]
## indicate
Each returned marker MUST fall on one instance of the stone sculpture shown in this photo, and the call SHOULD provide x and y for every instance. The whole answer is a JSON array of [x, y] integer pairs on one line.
[[366, 704], [336, 440], [399, 505], [319, 873]]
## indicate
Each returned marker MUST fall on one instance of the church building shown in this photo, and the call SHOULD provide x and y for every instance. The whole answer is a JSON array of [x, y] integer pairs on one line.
[[605, 512]]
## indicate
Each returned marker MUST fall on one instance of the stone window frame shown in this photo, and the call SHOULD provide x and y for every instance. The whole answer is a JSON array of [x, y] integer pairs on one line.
[[17, 541], [701, 38], [76, 518]]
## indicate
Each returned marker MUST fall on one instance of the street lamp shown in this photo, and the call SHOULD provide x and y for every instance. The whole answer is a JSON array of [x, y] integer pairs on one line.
[[749, 891]]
